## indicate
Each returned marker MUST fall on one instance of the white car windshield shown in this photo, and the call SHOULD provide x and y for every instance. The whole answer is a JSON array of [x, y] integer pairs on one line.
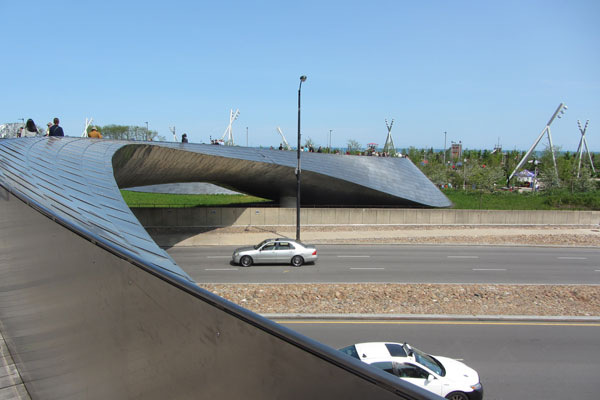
[[428, 361], [258, 246]]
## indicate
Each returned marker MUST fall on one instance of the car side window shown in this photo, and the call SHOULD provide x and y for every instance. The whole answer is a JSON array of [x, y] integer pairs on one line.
[[284, 246], [270, 246], [386, 366], [411, 371], [351, 351]]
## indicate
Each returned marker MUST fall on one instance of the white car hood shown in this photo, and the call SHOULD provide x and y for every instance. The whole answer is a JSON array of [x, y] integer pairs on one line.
[[244, 249], [458, 371]]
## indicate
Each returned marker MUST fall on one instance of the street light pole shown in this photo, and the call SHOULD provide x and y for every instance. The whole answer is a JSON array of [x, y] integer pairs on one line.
[[302, 79], [465, 174], [330, 140], [444, 149], [147, 131]]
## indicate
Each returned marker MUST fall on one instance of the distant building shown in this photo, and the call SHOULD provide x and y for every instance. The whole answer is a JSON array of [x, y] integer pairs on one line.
[[456, 150]]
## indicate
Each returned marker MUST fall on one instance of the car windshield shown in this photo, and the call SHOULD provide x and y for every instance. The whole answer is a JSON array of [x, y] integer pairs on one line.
[[258, 246], [428, 361]]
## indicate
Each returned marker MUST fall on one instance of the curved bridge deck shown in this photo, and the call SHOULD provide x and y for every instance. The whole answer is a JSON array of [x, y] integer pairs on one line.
[[92, 308]]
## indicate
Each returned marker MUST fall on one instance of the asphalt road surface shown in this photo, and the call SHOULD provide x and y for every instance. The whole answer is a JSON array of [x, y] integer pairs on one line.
[[404, 264], [516, 360]]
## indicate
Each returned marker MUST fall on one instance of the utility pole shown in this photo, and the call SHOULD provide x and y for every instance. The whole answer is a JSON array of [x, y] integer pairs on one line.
[[444, 149], [302, 79], [465, 174]]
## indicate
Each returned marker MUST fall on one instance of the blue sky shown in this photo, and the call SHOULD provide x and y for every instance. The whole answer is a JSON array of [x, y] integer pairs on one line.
[[481, 71]]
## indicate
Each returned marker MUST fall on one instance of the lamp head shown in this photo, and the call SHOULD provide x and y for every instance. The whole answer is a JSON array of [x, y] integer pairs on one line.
[[303, 78]]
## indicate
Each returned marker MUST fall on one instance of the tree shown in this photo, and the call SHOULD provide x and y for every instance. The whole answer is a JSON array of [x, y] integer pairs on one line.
[[511, 160], [128, 132], [415, 155], [464, 170], [353, 146], [309, 143], [486, 178], [585, 181], [548, 173], [437, 173]]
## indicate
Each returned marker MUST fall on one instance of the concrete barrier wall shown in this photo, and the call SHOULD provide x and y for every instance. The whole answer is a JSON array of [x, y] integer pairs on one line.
[[251, 216]]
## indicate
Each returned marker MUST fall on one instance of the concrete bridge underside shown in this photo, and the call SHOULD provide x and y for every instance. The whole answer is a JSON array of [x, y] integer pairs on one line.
[[92, 308]]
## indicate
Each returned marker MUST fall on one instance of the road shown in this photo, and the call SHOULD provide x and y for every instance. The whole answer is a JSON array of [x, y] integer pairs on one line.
[[404, 264], [516, 360]]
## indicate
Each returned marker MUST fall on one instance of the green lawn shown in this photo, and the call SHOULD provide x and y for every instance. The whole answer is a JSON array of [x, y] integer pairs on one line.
[[471, 200], [465, 200], [556, 200], [163, 200]]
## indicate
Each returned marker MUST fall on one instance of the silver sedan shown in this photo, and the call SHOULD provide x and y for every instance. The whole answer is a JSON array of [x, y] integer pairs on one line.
[[275, 251]]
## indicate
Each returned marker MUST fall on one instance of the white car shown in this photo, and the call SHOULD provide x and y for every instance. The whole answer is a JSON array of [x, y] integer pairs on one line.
[[443, 376], [275, 251]]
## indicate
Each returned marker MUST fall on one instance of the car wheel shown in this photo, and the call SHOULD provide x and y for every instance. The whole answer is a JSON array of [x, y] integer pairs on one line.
[[457, 396], [297, 261], [246, 261]]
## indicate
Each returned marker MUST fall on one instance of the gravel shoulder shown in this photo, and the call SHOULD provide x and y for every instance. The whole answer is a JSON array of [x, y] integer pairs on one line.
[[413, 299]]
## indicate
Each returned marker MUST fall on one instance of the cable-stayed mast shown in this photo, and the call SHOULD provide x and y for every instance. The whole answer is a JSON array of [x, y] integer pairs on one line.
[[389, 142], [88, 122], [227, 137], [558, 113], [285, 143], [582, 143]]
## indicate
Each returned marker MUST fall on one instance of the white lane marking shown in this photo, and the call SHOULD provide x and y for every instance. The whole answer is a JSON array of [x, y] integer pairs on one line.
[[220, 269], [598, 270], [368, 268], [489, 269], [572, 258], [218, 256], [353, 256], [462, 256]]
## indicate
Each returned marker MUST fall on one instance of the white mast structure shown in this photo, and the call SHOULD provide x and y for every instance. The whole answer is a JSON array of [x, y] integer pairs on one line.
[[172, 129], [229, 131], [558, 113], [286, 145], [88, 122], [389, 142], [583, 142]]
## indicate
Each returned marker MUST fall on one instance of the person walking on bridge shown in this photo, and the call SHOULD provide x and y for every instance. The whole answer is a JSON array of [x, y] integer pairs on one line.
[[56, 130]]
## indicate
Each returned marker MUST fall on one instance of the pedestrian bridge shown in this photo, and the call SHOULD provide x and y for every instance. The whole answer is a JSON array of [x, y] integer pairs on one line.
[[92, 307]]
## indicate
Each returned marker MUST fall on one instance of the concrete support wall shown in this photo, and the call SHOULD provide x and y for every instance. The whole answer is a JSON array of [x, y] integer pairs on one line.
[[230, 216]]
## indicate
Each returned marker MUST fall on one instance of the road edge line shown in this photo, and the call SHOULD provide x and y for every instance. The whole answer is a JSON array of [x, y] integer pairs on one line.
[[436, 317]]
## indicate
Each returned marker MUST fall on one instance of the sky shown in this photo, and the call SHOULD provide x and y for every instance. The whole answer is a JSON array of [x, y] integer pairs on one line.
[[484, 72]]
